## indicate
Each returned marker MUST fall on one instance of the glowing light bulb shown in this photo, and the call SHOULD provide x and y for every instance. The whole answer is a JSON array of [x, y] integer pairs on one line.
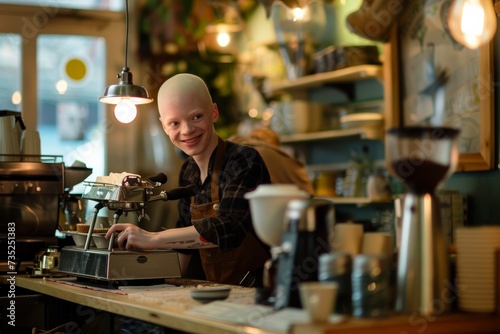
[[223, 39], [253, 113], [472, 23], [61, 86], [298, 14], [16, 97], [125, 111]]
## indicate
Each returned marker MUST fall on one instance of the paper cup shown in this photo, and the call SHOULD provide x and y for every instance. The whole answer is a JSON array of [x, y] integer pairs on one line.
[[477, 272], [378, 243], [348, 238], [318, 299]]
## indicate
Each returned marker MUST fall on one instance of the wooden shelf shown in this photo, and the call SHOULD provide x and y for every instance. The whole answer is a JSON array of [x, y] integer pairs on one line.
[[363, 133], [353, 200], [344, 75]]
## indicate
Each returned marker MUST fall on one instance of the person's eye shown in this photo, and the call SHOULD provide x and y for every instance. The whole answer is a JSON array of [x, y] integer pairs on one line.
[[173, 124], [198, 116]]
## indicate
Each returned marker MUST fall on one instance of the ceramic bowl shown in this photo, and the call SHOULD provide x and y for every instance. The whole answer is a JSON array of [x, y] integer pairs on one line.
[[80, 238], [208, 294], [361, 120], [100, 240]]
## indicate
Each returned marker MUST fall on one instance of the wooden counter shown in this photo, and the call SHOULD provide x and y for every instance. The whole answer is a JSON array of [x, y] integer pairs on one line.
[[176, 313]]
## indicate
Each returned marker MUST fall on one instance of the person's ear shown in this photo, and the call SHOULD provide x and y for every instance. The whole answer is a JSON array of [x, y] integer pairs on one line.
[[163, 126], [215, 113]]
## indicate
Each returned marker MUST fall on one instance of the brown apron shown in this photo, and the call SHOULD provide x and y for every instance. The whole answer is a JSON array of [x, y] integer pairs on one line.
[[228, 267]]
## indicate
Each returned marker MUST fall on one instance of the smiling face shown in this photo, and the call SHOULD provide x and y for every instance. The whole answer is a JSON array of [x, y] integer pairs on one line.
[[188, 114]]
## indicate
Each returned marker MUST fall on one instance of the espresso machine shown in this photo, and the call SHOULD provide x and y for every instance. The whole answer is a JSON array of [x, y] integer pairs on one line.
[[119, 265], [30, 198], [307, 235], [422, 158]]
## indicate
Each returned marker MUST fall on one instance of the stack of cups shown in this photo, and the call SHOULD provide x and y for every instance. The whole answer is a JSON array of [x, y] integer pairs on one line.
[[348, 238], [9, 141], [478, 268], [370, 286], [337, 267], [30, 145]]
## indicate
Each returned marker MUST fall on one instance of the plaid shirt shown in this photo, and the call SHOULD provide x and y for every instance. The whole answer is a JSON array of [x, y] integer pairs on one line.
[[242, 171]]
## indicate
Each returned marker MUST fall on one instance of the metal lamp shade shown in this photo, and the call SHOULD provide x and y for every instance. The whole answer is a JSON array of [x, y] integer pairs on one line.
[[113, 94]]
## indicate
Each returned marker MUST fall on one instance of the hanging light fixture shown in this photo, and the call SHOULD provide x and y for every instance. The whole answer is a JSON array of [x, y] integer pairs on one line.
[[472, 23], [125, 94]]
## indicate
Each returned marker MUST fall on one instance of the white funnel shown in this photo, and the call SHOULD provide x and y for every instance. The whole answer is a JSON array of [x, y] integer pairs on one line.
[[268, 203]]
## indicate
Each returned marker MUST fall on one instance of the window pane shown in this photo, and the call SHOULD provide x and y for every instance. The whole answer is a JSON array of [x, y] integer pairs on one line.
[[71, 77], [10, 67], [113, 5]]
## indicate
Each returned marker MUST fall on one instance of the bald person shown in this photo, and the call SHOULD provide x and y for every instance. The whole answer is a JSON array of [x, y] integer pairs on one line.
[[216, 222]]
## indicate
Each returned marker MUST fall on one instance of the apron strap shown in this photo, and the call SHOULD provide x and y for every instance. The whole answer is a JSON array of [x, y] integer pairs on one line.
[[219, 158]]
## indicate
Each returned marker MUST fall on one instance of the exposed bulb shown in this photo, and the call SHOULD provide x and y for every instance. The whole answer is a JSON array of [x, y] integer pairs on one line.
[[223, 39], [472, 23], [125, 111]]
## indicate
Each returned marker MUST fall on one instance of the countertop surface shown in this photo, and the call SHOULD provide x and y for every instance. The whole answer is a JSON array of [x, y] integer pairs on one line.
[[170, 305]]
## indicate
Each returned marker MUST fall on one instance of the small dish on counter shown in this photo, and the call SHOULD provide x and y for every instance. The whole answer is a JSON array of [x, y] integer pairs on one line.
[[208, 294]]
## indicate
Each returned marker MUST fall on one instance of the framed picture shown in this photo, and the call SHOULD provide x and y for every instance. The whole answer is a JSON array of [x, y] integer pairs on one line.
[[435, 81]]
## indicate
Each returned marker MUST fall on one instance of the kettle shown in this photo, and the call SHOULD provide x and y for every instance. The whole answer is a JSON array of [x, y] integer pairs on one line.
[[10, 135], [308, 227]]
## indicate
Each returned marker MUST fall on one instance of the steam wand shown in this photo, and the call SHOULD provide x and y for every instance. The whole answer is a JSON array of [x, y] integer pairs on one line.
[[116, 216], [97, 207]]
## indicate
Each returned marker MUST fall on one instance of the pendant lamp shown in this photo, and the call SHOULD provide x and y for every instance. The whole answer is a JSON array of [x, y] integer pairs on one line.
[[472, 22], [125, 94]]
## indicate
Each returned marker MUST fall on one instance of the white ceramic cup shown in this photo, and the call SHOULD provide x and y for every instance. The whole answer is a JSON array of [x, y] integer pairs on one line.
[[9, 143], [318, 299], [348, 238], [30, 145]]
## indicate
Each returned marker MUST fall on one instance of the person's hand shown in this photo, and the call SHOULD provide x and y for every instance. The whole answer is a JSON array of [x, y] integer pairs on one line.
[[130, 236]]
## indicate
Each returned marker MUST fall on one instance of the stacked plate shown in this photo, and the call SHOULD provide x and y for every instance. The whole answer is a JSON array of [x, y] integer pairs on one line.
[[478, 252]]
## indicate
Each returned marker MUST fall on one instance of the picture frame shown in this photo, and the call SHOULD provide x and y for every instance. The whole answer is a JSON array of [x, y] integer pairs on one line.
[[431, 80]]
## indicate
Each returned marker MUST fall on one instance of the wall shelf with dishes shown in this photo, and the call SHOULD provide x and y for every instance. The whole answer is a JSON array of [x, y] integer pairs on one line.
[[350, 97], [362, 133], [359, 201], [337, 169], [343, 76]]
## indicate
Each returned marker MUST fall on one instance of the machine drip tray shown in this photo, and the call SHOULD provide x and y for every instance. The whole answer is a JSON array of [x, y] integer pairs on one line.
[[119, 265], [114, 285]]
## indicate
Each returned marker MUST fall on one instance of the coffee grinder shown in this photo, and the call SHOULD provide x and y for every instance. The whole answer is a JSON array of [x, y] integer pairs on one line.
[[422, 158]]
